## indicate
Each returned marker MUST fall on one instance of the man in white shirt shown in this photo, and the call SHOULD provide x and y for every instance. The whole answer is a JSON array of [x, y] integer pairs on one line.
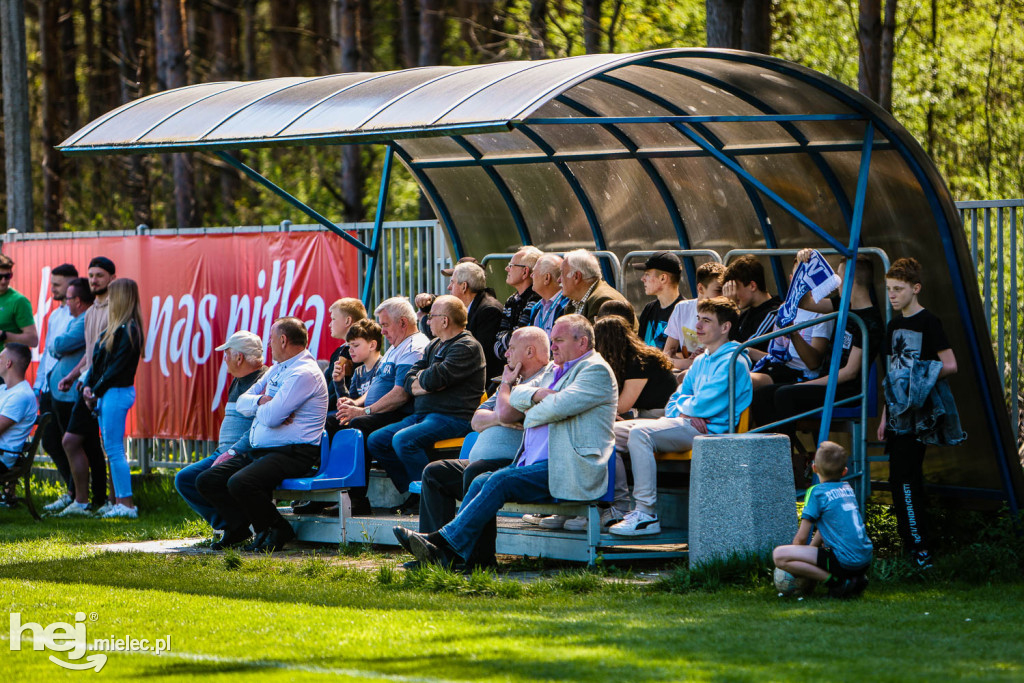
[[17, 404], [289, 407]]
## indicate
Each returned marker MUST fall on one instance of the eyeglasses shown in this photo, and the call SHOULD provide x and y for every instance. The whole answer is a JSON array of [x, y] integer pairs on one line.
[[6, 276], [516, 265], [436, 315]]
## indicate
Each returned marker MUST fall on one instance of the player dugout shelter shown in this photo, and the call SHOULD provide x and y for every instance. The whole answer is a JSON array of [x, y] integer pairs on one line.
[[669, 149]]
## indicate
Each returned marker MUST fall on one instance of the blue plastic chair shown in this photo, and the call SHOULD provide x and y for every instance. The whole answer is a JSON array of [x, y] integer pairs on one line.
[[467, 446], [341, 464]]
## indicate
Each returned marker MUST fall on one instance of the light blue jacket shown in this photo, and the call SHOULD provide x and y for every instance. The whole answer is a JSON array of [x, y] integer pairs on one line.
[[68, 349], [705, 389]]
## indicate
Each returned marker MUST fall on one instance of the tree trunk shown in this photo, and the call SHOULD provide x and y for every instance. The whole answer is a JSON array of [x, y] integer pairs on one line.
[[320, 30], [49, 62], [136, 170], [249, 40], [757, 26], [869, 39], [171, 63], [431, 32], [352, 178], [284, 38], [17, 139], [538, 29], [410, 33], [724, 23], [69, 60], [592, 26], [888, 56], [224, 24]]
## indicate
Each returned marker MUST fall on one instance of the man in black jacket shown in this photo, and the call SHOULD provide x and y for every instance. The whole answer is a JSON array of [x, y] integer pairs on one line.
[[469, 284], [446, 385], [519, 306]]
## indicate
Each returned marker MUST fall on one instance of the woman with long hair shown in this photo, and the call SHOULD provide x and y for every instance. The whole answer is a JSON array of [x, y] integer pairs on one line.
[[644, 373], [110, 389]]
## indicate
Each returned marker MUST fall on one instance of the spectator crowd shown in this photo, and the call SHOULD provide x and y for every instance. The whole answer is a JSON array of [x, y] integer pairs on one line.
[[561, 384]]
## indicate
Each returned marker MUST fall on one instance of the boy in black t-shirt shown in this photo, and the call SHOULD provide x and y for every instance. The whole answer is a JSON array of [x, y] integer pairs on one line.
[[914, 335], [661, 280], [744, 283]]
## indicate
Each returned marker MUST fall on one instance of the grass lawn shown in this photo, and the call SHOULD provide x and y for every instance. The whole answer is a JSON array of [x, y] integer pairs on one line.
[[231, 616]]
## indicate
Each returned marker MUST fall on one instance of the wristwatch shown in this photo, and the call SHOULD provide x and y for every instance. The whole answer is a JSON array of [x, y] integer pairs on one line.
[[366, 411]]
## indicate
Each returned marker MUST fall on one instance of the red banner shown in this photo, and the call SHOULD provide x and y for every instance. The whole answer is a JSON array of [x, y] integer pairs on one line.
[[196, 291]]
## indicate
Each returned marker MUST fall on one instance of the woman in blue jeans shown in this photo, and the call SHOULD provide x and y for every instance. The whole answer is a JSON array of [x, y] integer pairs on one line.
[[110, 388]]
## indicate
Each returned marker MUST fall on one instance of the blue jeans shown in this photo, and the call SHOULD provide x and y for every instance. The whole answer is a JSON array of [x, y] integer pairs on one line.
[[401, 448], [185, 482], [487, 494], [113, 410]]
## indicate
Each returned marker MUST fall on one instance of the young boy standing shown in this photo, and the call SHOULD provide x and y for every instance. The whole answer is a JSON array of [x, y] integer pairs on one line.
[[915, 335], [681, 343], [840, 551], [661, 280]]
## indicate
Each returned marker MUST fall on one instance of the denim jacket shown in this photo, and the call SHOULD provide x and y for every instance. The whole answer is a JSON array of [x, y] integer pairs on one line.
[[919, 403]]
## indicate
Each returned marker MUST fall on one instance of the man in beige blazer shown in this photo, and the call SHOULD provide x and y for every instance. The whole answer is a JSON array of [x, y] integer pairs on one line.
[[567, 444]]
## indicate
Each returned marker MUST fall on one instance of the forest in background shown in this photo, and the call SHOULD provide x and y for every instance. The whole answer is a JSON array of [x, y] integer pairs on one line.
[[957, 71]]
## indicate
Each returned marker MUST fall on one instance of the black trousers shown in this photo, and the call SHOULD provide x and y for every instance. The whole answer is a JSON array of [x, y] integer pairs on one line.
[[444, 483], [52, 437], [93, 447], [368, 424], [778, 401], [906, 481], [242, 488]]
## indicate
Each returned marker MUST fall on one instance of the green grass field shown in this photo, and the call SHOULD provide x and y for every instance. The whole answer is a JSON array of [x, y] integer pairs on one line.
[[322, 614]]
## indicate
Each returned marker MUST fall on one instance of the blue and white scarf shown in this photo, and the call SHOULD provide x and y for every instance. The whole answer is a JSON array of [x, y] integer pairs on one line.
[[815, 276]]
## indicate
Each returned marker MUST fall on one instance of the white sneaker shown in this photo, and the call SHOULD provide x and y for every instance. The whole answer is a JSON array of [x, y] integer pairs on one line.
[[637, 523], [553, 522], [104, 509], [120, 511], [609, 516], [59, 504], [74, 509], [534, 519]]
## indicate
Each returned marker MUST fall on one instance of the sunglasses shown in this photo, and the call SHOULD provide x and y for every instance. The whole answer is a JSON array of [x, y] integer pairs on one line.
[[6, 276]]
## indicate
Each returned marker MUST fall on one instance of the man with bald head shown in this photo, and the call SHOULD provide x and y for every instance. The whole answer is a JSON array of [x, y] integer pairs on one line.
[[582, 285], [447, 481], [567, 415], [446, 385]]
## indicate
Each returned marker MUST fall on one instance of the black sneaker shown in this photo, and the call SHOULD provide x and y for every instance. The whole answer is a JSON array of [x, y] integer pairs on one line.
[[922, 559]]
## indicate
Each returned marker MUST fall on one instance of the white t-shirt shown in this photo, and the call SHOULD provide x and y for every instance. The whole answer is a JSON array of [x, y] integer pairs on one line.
[[821, 330], [17, 403], [682, 325]]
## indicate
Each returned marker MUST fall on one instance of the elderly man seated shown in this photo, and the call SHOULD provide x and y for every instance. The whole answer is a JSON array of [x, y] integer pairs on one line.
[[289, 407], [447, 481], [583, 287], [568, 440], [483, 311], [243, 357], [446, 384]]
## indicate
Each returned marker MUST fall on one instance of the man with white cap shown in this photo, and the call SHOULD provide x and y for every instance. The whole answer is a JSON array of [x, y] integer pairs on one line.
[[243, 356]]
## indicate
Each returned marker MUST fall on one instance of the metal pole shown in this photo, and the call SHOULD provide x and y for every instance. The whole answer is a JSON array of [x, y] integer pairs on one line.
[[378, 224], [848, 274]]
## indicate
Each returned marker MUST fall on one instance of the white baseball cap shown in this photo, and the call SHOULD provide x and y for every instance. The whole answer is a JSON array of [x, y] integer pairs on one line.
[[244, 342]]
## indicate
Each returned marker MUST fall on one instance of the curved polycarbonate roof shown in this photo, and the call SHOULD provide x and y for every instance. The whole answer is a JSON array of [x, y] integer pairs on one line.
[[668, 149]]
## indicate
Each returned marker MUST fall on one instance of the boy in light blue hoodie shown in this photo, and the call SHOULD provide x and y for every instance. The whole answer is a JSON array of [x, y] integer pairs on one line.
[[699, 406]]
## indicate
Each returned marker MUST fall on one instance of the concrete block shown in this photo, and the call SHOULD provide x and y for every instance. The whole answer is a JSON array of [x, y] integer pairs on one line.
[[742, 495]]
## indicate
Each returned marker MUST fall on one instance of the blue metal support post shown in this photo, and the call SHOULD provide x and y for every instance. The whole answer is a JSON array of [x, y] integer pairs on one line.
[[848, 274], [378, 225]]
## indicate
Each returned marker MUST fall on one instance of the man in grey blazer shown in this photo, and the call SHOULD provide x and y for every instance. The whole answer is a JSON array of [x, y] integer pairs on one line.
[[566, 447]]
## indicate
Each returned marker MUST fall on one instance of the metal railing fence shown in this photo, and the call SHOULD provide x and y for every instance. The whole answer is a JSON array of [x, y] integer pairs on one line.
[[995, 233]]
